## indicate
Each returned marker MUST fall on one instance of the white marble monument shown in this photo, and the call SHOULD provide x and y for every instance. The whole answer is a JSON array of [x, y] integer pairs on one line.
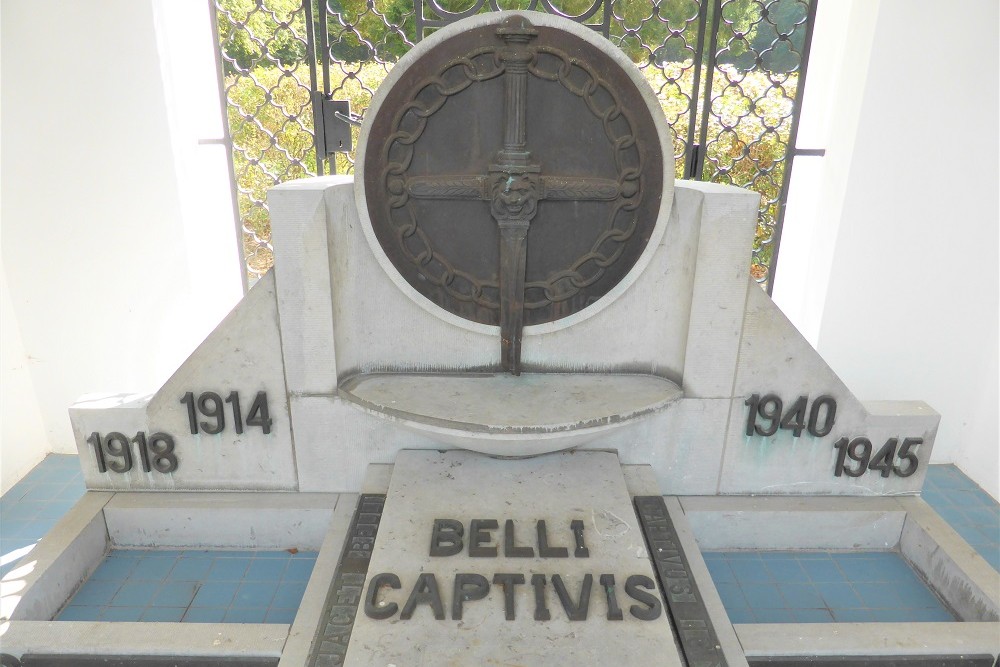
[[684, 365], [491, 444]]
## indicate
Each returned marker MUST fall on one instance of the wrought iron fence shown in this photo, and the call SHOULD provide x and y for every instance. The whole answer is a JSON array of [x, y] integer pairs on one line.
[[729, 75]]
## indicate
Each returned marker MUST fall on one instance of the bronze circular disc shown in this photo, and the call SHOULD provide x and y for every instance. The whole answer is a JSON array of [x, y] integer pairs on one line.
[[513, 121]]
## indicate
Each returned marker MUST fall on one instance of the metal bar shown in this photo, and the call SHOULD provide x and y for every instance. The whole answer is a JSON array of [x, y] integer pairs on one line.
[[808, 152], [691, 162], [876, 661], [311, 56], [443, 23], [99, 660], [340, 609], [786, 178], [227, 140], [690, 159], [351, 119], [685, 605], [709, 78], [324, 43], [418, 20]]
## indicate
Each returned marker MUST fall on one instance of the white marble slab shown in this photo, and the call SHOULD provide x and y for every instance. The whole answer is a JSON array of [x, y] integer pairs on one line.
[[557, 488]]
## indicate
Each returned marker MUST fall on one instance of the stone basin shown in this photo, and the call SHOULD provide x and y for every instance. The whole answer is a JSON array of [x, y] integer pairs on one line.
[[504, 415]]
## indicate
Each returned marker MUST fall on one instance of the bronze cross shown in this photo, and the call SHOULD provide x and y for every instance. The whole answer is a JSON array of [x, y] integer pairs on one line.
[[513, 187]]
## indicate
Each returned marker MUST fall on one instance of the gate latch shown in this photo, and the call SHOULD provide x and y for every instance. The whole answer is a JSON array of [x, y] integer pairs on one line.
[[333, 120]]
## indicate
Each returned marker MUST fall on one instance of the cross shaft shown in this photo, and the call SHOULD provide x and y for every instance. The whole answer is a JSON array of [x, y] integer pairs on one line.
[[513, 185]]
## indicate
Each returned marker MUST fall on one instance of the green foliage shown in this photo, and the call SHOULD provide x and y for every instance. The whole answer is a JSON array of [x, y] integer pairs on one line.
[[383, 31], [272, 33], [755, 37], [747, 135], [270, 119], [749, 36], [261, 33]]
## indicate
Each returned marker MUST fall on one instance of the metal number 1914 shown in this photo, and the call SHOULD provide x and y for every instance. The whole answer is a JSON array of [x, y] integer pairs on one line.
[[211, 405]]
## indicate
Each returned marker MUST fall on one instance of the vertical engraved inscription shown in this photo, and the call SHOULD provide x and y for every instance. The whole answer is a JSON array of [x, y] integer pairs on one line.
[[341, 607]]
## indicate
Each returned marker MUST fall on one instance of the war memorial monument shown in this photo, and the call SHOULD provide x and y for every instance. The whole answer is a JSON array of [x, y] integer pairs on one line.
[[513, 383]]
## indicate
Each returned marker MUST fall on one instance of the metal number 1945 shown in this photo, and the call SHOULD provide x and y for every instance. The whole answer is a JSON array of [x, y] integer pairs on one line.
[[859, 450]]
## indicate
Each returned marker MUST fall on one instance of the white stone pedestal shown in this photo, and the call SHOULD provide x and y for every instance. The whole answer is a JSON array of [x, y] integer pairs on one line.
[[559, 489]]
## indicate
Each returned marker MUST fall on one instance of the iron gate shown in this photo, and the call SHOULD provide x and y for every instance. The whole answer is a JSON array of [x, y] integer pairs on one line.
[[296, 77]]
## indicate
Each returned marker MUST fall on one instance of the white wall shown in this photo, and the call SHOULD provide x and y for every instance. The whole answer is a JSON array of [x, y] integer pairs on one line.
[[831, 113], [908, 307], [112, 277], [21, 430], [22, 434]]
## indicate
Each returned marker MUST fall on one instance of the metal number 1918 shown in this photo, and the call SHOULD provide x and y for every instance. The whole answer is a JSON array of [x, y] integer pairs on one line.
[[114, 453]]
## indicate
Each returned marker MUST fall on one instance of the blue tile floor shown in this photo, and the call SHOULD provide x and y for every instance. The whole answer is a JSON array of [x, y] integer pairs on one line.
[[33, 506], [971, 511], [193, 587], [821, 587]]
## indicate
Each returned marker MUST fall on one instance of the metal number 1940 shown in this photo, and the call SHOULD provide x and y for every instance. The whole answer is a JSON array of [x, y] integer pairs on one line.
[[210, 405], [769, 408]]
